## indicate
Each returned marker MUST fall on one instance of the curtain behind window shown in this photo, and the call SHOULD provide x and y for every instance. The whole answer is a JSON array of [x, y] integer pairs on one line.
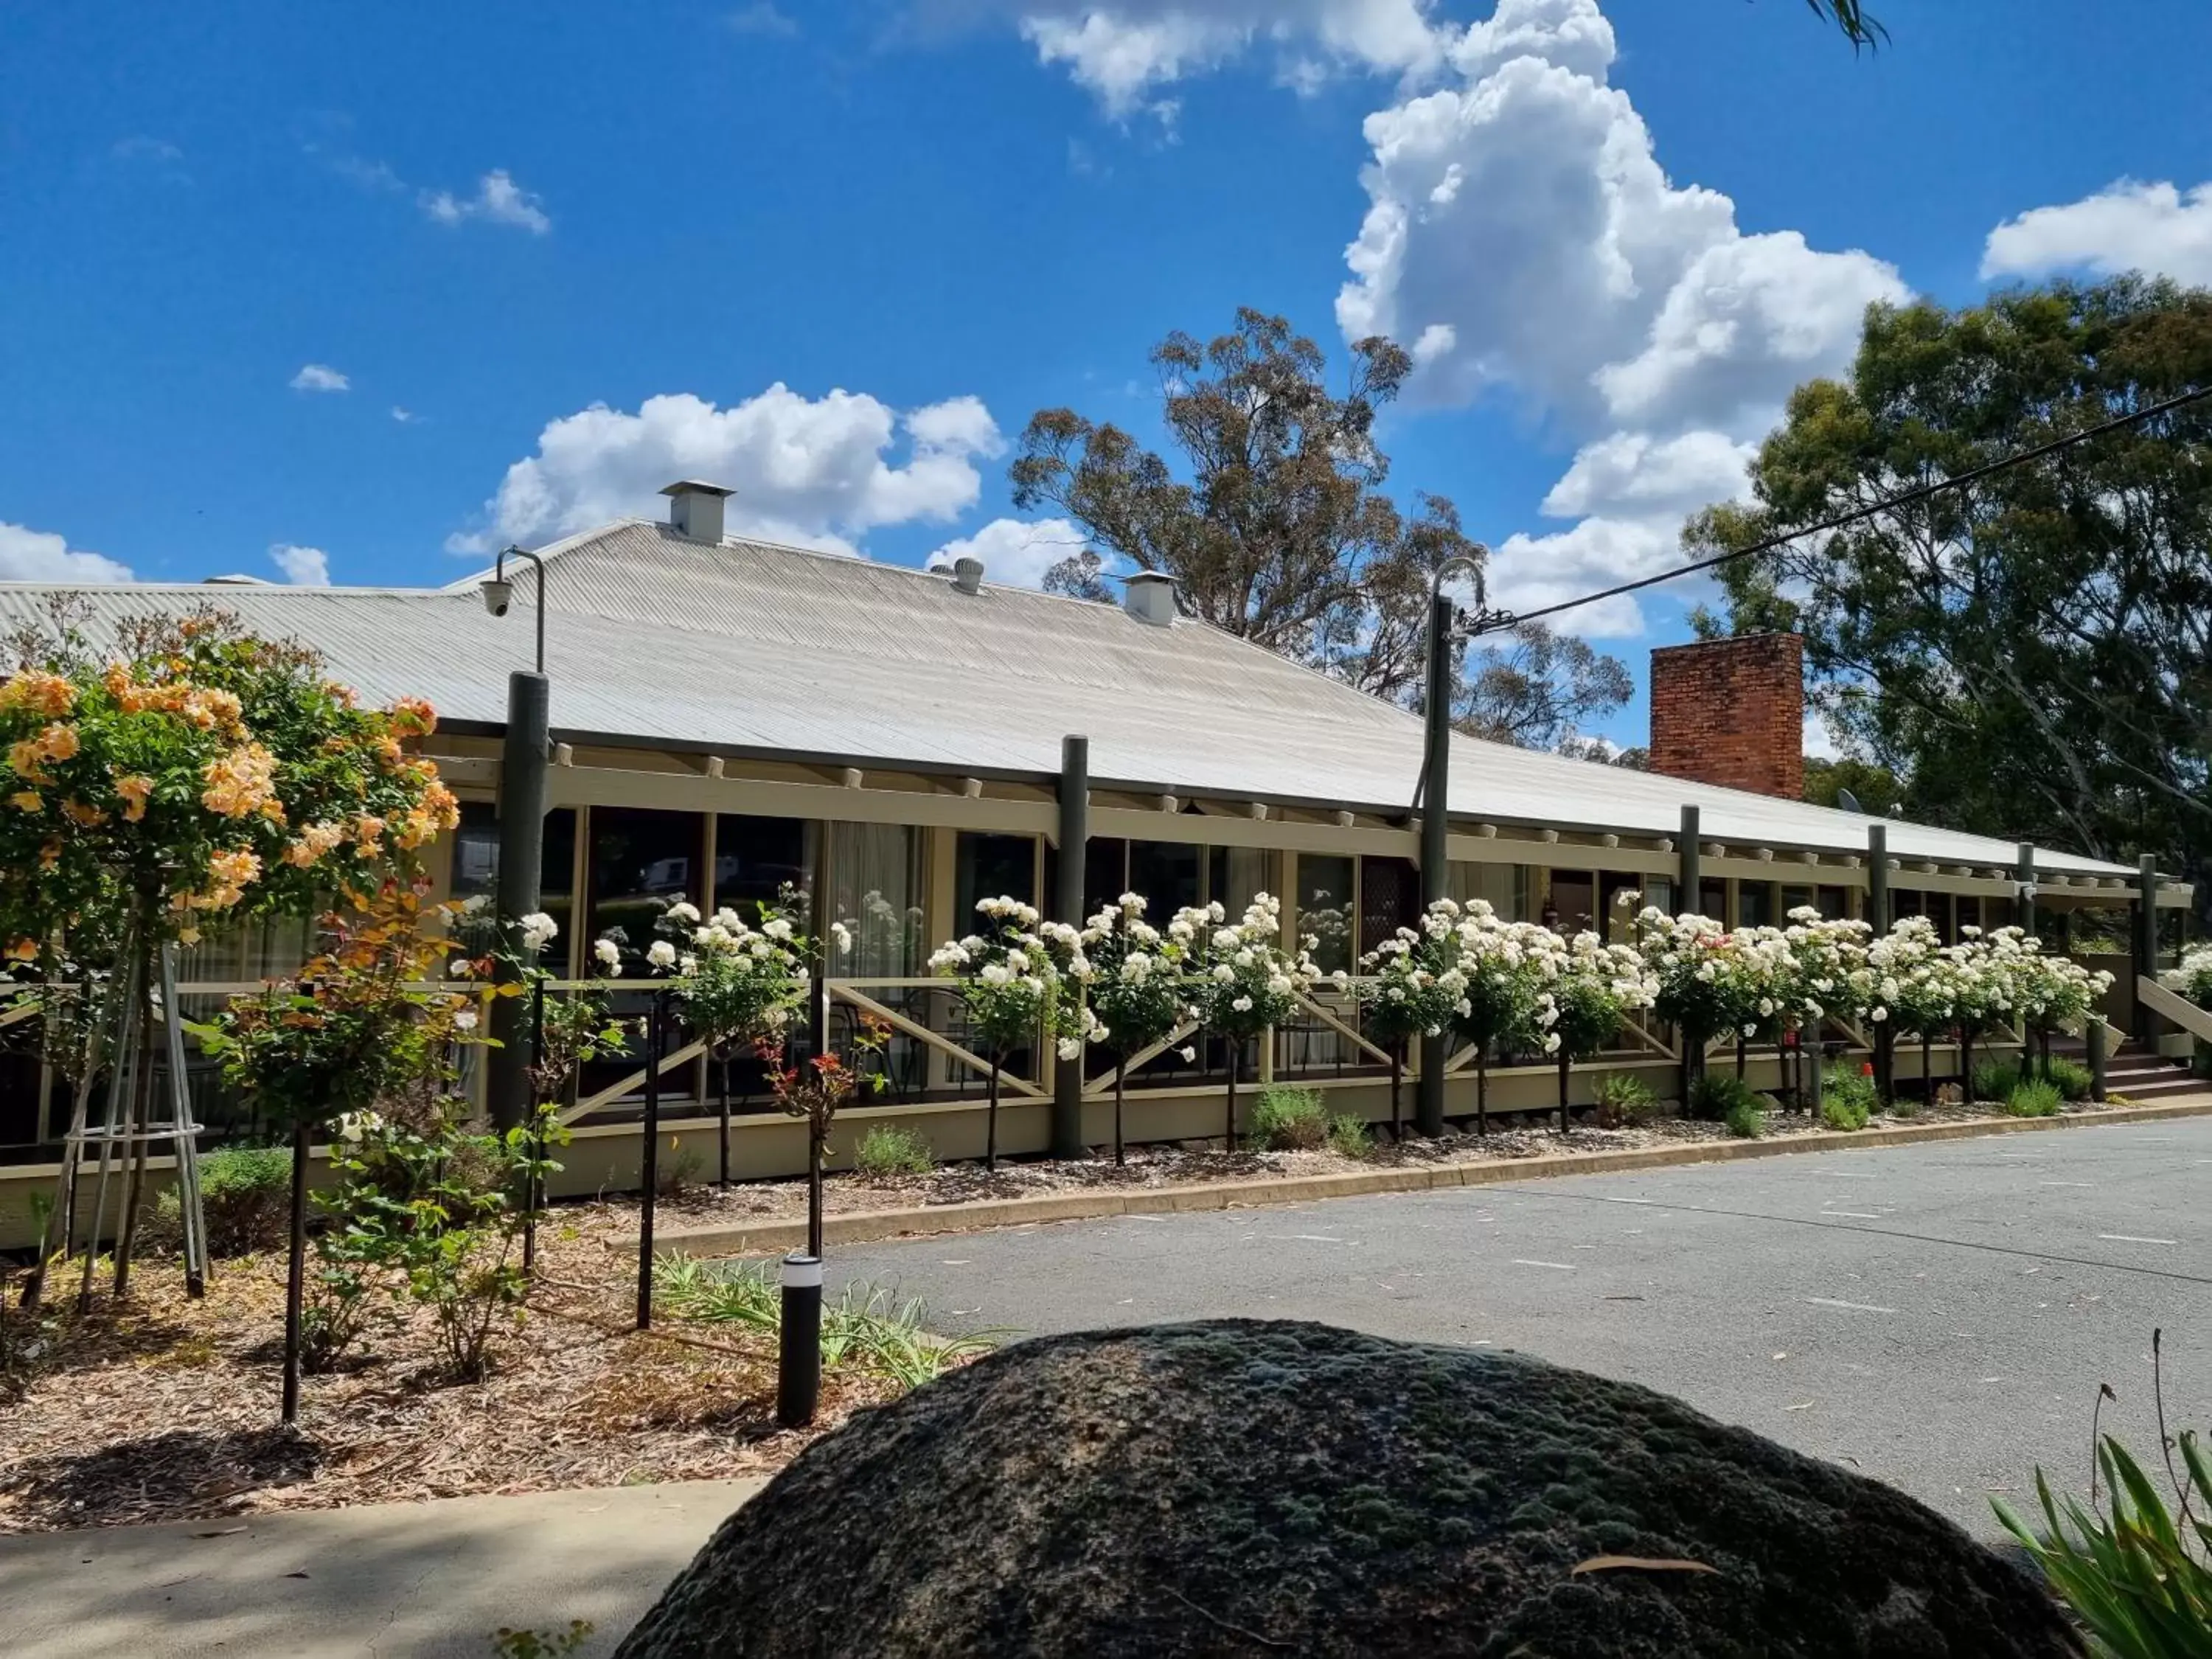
[[876, 876]]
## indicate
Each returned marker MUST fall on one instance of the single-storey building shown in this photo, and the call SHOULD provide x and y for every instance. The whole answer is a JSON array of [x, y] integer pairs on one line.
[[731, 718]]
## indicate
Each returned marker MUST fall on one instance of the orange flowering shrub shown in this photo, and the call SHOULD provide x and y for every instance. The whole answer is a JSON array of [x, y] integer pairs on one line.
[[196, 771]]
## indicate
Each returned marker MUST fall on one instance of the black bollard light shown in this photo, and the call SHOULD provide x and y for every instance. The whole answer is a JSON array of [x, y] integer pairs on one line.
[[649, 1164], [799, 1363]]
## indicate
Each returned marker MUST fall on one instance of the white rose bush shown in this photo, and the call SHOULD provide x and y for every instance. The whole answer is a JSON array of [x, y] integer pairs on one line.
[[2053, 993], [1908, 994], [1135, 997], [1589, 988], [737, 984], [1243, 982], [1414, 987], [1020, 979], [1502, 1012]]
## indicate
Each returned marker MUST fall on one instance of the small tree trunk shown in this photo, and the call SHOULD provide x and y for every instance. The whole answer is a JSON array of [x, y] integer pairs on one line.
[[1121, 1078], [1966, 1064], [726, 1117], [991, 1119], [1740, 1057], [1236, 1056], [1567, 1065], [296, 1276], [1884, 1064], [1928, 1068], [815, 1137], [1482, 1089], [141, 1110], [1397, 1071]]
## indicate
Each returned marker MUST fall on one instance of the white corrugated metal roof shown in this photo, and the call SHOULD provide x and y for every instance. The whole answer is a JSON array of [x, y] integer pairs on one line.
[[747, 646]]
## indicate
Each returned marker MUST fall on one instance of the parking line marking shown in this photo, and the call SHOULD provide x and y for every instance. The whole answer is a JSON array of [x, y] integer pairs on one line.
[[1855, 1307], [1854, 1215], [2129, 1238], [1563, 1266], [2065, 1183]]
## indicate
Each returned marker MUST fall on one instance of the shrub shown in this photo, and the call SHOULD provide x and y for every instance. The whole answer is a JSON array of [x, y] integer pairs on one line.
[[1847, 1109], [1746, 1118], [246, 1195], [2034, 1098], [1853, 1087], [1349, 1137], [1997, 1079], [1716, 1094], [1289, 1120], [889, 1150], [2072, 1078], [1624, 1101]]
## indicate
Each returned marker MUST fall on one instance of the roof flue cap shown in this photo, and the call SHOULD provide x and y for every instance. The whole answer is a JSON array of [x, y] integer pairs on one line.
[[968, 573], [694, 509], [1151, 598]]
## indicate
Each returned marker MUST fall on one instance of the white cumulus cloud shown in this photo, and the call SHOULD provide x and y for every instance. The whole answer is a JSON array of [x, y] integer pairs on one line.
[[319, 377], [2127, 225], [1125, 53], [1521, 231], [40, 556], [1015, 551], [303, 567], [813, 471], [498, 201]]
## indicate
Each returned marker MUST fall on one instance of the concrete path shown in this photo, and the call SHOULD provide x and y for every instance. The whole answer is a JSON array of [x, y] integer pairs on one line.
[[1938, 1316], [394, 1581]]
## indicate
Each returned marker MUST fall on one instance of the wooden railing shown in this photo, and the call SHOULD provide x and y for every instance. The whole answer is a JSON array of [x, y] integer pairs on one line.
[[2171, 1005]]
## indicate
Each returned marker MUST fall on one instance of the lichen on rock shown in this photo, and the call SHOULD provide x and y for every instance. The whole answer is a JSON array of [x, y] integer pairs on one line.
[[1240, 1487]]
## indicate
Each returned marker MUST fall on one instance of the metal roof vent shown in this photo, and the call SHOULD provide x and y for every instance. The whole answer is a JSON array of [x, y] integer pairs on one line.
[[1151, 598], [968, 573], [694, 509]]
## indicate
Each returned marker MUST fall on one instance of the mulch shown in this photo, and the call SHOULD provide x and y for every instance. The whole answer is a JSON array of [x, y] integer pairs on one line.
[[164, 1409], [1196, 1164]]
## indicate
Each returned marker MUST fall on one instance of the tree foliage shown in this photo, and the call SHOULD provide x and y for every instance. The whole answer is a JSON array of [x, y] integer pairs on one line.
[[1277, 528], [2052, 622]]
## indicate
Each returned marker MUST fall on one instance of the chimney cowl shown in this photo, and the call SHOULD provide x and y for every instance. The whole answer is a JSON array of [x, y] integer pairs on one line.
[[968, 573], [694, 509], [1150, 597]]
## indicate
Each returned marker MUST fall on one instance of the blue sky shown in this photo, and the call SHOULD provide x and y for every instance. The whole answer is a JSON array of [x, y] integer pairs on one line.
[[289, 290]]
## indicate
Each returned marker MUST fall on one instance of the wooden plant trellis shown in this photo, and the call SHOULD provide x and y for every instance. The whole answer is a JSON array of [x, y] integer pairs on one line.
[[137, 1116]]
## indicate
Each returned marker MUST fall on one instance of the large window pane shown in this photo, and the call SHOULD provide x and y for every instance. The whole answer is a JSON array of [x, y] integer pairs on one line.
[[991, 866], [1105, 873], [876, 877], [1325, 910], [1755, 904], [1712, 900], [764, 861], [1168, 874], [642, 862], [476, 866], [1237, 875], [1389, 898], [1503, 887], [1571, 907], [1616, 909]]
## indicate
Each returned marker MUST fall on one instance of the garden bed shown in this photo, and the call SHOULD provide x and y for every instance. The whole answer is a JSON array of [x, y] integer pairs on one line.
[[165, 1409], [1191, 1165]]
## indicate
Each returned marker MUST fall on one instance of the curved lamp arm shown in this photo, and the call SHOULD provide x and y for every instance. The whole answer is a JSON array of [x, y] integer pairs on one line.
[[499, 574]]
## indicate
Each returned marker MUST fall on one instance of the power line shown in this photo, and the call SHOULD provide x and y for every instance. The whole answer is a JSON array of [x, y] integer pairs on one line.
[[1497, 622]]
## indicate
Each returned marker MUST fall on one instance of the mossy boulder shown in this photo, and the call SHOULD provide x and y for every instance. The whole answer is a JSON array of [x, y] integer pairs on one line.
[[1243, 1488]]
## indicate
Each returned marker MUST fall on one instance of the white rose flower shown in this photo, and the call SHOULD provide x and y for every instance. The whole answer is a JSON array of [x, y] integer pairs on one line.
[[465, 1020], [1243, 1005], [1189, 1053], [661, 954], [684, 912], [608, 953]]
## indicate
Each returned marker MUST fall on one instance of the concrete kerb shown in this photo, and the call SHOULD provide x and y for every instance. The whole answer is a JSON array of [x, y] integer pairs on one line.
[[861, 1227]]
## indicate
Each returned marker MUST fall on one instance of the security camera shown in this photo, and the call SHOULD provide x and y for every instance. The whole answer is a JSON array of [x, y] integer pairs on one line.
[[497, 594]]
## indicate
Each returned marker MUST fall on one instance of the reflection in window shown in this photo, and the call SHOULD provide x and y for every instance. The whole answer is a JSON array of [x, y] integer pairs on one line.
[[1712, 900], [764, 861], [1389, 898], [1325, 910], [1755, 904], [1571, 907], [876, 890], [1620, 896], [642, 862], [1105, 873], [475, 867]]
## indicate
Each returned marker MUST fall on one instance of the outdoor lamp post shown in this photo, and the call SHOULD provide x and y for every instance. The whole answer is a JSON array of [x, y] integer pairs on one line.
[[1448, 626], [521, 841]]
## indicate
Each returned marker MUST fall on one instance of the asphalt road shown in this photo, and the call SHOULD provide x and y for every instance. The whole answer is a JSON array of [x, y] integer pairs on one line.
[[1938, 1316]]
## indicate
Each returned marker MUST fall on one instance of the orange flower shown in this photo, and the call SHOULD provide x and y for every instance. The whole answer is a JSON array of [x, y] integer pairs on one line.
[[27, 800], [23, 949], [414, 717], [306, 849], [40, 692], [135, 791], [58, 742], [369, 830], [241, 782], [84, 817]]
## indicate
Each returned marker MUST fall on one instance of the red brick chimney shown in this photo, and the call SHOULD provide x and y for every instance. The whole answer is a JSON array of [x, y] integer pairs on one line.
[[1732, 712]]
